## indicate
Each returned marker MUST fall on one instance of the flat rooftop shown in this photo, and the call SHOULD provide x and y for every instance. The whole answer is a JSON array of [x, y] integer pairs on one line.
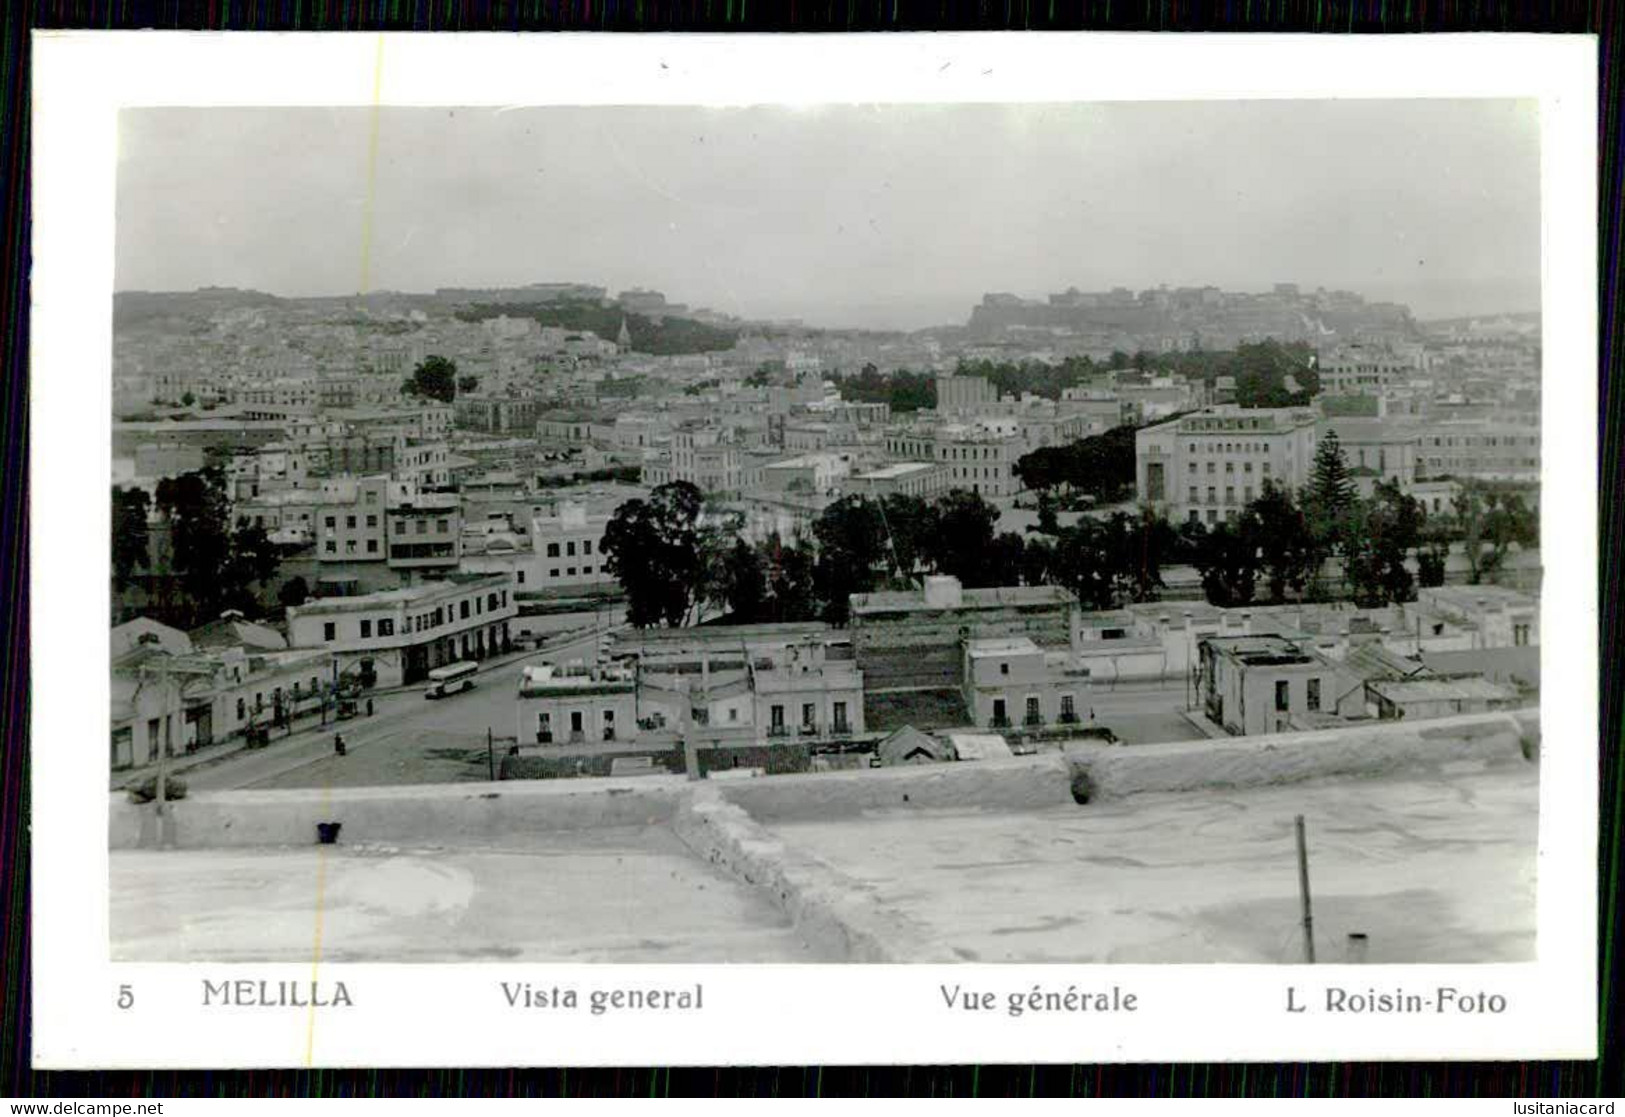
[[562, 897], [1421, 836]]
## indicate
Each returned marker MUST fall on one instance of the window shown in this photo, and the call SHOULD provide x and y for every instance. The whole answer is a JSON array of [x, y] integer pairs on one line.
[[1229, 494], [586, 546], [372, 521], [570, 570], [544, 728], [809, 715], [552, 550], [422, 527], [1312, 699], [1246, 467], [332, 522], [242, 709], [386, 627], [1069, 711], [329, 631], [1283, 693], [1034, 713], [553, 573], [331, 547], [1212, 467], [463, 611], [570, 548], [1520, 635], [576, 726], [400, 527], [1190, 467], [349, 523], [349, 546], [609, 725], [372, 546], [442, 526], [521, 574], [776, 719], [1194, 494], [1229, 467], [841, 725], [1004, 668], [586, 570], [1212, 496], [1266, 468], [733, 713]]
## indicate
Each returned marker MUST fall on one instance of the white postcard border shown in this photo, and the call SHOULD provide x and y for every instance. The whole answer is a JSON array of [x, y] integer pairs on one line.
[[452, 1015]]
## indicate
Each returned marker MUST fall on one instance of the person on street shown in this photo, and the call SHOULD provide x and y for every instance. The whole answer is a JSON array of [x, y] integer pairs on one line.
[[338, 743]]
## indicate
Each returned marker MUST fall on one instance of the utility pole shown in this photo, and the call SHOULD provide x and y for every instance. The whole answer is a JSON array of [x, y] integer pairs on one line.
[[1303, 894], [490, 755]]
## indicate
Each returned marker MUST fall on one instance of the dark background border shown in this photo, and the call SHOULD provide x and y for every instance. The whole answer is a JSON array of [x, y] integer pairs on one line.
[[1605, 18]]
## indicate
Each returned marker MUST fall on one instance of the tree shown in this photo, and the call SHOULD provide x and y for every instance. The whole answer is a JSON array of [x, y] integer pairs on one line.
[[1091, 561], [851, 536], [1286, 547], [1329, 501], [435, 378], [1228, 563], [743, 583], [252, 563], [1037, 561], [466, 384], [964, 536], [911, 525], [294, 592], [1431, 557], [1490, 521], [131, 507], [198, 513], [187, 399], [790, 582], [1006, 560], [1269, 374], [653, 550]]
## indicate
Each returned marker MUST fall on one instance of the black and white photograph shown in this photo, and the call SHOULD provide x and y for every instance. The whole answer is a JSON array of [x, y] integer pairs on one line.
[[988, 549], [827, 533]]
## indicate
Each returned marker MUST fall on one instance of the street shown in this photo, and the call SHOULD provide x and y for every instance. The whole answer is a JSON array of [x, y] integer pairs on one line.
[[408, 739]]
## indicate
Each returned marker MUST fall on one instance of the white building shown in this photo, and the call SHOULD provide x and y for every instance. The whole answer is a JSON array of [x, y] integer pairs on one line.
[[1207, 466], [400, 635]]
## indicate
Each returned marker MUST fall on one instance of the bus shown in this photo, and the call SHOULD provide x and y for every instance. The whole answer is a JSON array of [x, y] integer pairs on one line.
[[450, 679]]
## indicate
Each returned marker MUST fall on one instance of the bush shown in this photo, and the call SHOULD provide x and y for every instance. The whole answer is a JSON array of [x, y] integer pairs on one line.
[[147, 790]]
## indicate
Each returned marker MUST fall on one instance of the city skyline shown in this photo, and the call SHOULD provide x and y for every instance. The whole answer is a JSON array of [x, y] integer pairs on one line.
[[693, 201]]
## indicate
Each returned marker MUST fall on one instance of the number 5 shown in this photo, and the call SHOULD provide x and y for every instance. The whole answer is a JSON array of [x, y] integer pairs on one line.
[[126, 996]]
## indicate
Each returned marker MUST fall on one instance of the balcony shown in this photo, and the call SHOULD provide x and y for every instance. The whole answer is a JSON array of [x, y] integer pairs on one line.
[[1068, 717], [1033, 721], [778, 731], [998, 723], [841, 729], [544, 737], [809, 731]]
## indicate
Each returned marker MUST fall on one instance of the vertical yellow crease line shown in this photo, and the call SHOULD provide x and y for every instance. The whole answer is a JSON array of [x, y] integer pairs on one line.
[[366, 283]]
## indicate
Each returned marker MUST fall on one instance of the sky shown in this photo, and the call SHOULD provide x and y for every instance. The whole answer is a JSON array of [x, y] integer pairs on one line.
[[894, 216]]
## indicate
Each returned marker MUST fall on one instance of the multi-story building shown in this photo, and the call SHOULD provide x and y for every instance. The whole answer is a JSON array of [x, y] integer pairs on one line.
[[350, 520], [1270, 684], [425, 530], [981, 458], [918, 479], [427, 465], [700, 457], [563, 705], [1207, 466], [400, 635], [1010, 682], [568, 548], [1367, 369], [964, 393], [1486, 450]]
